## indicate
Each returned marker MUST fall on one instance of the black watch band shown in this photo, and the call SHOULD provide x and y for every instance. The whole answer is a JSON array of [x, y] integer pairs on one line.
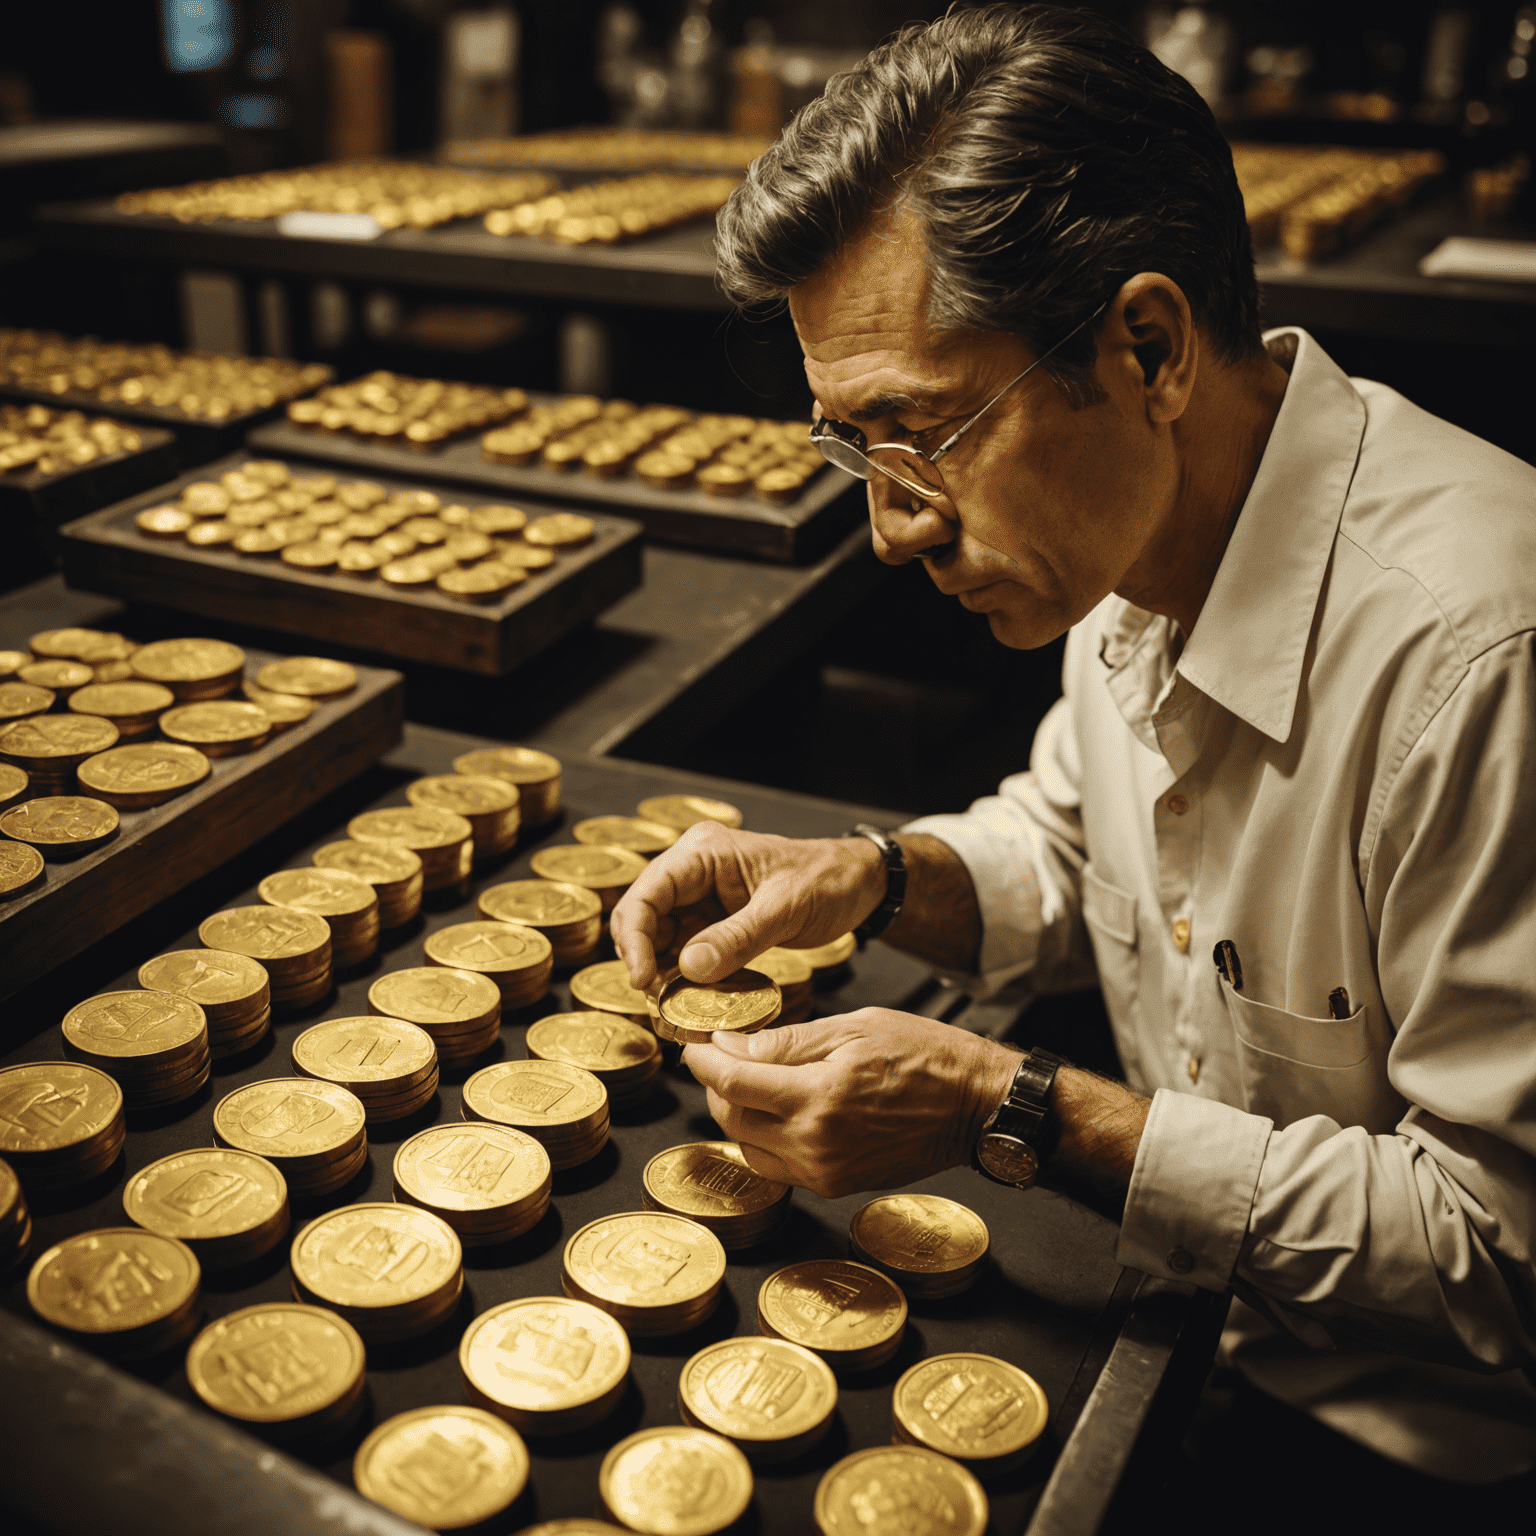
[[1022, 1132], [895, 882]]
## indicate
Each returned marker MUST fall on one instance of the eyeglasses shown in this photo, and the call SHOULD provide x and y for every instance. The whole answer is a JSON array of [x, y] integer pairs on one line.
[[845, 445]]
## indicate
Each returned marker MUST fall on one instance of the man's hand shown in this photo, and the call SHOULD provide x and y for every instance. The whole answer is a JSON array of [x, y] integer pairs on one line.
[[868, 1100], [776, 890]]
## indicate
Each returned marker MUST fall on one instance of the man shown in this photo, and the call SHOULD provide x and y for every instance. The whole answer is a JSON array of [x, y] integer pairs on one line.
[[1296, 734]]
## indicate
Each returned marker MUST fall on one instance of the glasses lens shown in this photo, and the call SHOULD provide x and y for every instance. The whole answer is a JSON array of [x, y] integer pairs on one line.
[[835, 451], [908, 469]]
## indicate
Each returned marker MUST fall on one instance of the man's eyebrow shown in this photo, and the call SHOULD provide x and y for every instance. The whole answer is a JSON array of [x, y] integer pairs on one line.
[[883, 405]]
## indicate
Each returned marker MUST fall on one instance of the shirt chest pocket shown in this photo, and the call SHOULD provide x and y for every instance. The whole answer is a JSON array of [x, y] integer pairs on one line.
[[1294, 1066], [1110, 916]]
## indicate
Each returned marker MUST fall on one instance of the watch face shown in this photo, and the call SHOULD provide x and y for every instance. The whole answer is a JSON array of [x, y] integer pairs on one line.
[[1009, 1159]]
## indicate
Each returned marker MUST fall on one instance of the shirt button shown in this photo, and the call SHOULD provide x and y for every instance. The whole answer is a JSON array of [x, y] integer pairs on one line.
[[1177, 804], [1194, 1069], [1181, 935], [1181, 1261]]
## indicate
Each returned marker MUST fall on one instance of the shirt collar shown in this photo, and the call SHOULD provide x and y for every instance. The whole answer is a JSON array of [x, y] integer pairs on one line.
[[1248, 647]]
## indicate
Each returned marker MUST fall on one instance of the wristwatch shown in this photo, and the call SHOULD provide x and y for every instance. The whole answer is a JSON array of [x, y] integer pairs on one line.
[[895, 882], [1022, 1132]]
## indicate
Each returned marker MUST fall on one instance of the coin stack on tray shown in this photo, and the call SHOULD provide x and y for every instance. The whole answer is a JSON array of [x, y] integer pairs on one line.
[[390, 1066], [520, 960], [54, 442], [622, 1056], [773, 1400], [233, 991], [393, 1271], [50, 748], [690, 1012], [489, 805], [791, 972], [154, 1043], [569, 916], [460, 1010], [314, 1133], [420, 412], [134, 707], [536, 775], [490, 1183], [849, 1314], [228, 1207], [709, 1182], [829, 962], [605, 987], [62, 678], [608, 872], [651, 1481], [291, 1373], [124, 1292], [442, 840], [931, 1247], [63, 1123], [647, 838], [394, 872], [564, 1108], [657, 1274], [980, 1411], [347, 902], [608, 212], [899, 1477], [293, 947], [683, 811], [15, 1220]]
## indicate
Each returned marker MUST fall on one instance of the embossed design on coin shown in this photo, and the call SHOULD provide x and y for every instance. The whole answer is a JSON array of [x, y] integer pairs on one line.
[[490, 946], [596, 868], [975, 1408], [647, 1256], [428, 995], [683, 811], [288, 1117], [311, 677], [416, 826], [144, 774], [206, 976], [365, 1049], [540, 903], [471, 1167], [186, 661], [46, 739], [376, 1255], [47, 1106], [743, 1003], [711, 1178], [900, 1490], [675, 1481], [534, 1093], [60, 822], [217, 723], [605, 986], [112, 1280], [766, 1394], [929, 1245], [265, 933], [206, 1194], [631, 832], [20, 866], [275, 1362], [596, 1041], [851, 1315], [134, 1023]]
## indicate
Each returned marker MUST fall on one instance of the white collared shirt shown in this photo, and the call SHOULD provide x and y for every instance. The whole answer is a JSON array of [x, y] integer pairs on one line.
[[1337, 773]]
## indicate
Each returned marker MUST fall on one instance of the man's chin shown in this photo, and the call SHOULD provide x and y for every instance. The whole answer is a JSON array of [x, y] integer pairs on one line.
[[1025, 630]]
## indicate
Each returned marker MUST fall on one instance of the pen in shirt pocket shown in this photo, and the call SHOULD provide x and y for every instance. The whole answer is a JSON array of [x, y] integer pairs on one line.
[[1338, 1004]]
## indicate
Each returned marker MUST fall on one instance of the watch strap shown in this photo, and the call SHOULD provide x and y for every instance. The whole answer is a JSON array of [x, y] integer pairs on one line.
[[1027, 1113], [895, 882]]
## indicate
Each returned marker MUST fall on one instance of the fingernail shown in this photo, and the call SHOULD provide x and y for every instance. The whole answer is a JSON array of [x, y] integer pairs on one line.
[[702, 959]]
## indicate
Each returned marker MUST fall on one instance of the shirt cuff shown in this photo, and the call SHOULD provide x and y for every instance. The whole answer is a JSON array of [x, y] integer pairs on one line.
[[1192, 1189]]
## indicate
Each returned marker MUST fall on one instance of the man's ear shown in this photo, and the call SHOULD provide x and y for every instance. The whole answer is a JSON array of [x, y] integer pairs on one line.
[[1151, 345]]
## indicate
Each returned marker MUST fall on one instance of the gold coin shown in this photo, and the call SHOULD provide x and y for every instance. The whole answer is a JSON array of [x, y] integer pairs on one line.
[[415, 826], [267, 933], [60, 676], [311, 677], [466, 794], [523, 557], [826, 956], [60, 823], [631, 832], [163, 522], [922, 1236], [113, 1280], [275, 1362], [283, 709], [534, 1094], [376, 1255], [560, 530], [474, 1166], [578, 1526], [742, 1003], [786, 968], [606, 987], [128, 1024], [846, 1312], [545, 1355], [63, 642], [214, 979], [121, 701], [683, 811], [20, 867], [597, 1042], [221, 532], [289, 1117], [894, 1490], [143, 774], [540, 903], [758, 1391], [326, 892], [444, 1468], [186, 661], [207, 1194], [53, 742], [12, 661], [377, 863], [675, 1481], [481, 583], [218, 724], [492, 518], [19, 700], [710, 1180], [517, 765], [370, 1049], [974, 1408], [309, 555], [645, 1259], [494, 949], [435, 995], [597, 869], [52, 1106]]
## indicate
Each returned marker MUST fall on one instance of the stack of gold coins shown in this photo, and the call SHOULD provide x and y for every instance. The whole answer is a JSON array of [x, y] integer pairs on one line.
[[976, 1409], [154, 1043], [490, 806], [518, 959], [394, 1272], [62, 678], [21, 868], [876, 1492], [622, 1056], [218, 727], [442, 840], [829, 962], [792, 973], [232, 990], [564, 1108], [683, 811], [658, 1274], [632, 832], [347, 902], [568, 916], [20, 701], [290, 1373], [395, 873], [49, 748], [545, 1364], [930, 1246], [228, 1207], [709, 1182], [308, 677], [60, 827], [61, 1123], [849, 1314], [606, 987], [147, 773], [294, 947], [691, 1011], [773, 1399], [13, 784], [314, 1133], [536, 775], [608, 872], [133, 707], [391, 1066], [285, 710], [675, 1479], [490, 1183], [122, 1291], [192, 669], [460, 1010], [15, 1220], [444, 1468]]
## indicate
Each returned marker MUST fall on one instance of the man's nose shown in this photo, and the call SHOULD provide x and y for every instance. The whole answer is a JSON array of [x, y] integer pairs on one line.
[[905, 525]]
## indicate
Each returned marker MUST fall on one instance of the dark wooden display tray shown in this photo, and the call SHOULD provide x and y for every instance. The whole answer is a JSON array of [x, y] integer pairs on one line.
[[160, 850], [732, 525], [27, 496], [106, 553]]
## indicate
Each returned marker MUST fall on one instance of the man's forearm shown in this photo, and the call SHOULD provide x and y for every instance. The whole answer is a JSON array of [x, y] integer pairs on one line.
[[940, 921]]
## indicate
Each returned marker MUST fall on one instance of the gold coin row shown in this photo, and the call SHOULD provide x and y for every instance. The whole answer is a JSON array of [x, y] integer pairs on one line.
[[204, 386], [32, 437], [607, 212], [396, 193], [419, 412], [615, 146]]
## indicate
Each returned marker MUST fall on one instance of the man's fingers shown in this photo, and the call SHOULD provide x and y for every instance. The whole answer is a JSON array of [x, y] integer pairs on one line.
[[768, 1165], [747, 1084], [791, 1045], [634, 931], [724, 947], [743, 1125]]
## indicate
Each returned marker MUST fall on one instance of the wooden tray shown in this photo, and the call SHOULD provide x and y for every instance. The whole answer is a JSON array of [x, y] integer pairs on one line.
[[106, 553], [160, 850], [830, 504]]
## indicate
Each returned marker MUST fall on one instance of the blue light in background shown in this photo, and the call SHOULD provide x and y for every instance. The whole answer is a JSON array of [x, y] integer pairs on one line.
[[270, 34], [199, 34], [265, 63], [253, 111]]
